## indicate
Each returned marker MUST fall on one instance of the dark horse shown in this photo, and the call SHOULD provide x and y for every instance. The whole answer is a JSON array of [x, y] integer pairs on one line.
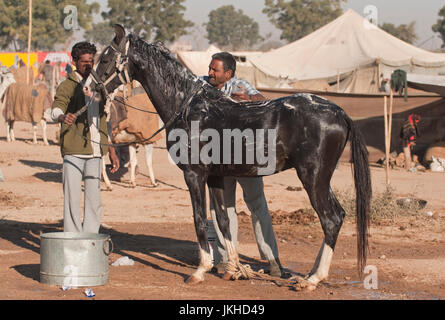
[[305, 132]]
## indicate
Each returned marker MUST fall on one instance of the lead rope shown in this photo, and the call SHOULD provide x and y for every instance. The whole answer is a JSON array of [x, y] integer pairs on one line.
[[244, 271]]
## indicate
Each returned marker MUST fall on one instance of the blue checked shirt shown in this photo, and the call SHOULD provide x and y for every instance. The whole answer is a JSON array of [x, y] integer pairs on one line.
[[233, 83]]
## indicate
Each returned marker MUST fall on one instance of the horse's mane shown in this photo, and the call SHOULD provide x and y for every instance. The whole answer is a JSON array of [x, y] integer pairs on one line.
[[171, 67], [184, 80]]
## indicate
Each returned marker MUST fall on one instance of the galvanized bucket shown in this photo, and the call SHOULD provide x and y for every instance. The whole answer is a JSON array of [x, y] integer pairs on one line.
[[74, 259]]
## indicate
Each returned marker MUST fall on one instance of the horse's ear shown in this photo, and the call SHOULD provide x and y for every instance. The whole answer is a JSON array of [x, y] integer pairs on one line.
[[120, 34]]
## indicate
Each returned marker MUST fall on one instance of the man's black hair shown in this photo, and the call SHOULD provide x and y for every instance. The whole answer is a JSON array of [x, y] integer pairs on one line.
[[229, 62], [81, 48]]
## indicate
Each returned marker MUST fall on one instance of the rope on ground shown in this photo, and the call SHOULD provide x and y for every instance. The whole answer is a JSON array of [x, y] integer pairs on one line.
[[240, 271]]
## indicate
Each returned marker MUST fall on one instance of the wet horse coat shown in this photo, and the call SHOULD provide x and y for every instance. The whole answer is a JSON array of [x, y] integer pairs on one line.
[[310, 134]]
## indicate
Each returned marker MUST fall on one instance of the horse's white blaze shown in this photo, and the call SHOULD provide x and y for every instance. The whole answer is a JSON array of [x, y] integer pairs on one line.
[[322, 264]]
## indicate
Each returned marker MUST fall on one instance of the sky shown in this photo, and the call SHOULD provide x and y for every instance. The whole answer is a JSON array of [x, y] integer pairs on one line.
[[423, 12]]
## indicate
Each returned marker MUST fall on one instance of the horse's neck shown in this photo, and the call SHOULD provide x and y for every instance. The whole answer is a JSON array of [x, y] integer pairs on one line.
[[163, 92]]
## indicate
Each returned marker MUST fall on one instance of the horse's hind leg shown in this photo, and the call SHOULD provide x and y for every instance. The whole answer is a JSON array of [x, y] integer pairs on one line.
[[216, 190], [330, 213], [196, 185]]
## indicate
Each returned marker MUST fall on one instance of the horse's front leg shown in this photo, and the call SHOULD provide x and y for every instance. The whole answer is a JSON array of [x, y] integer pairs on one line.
[[10, 131], [132, 164], [45, 138], [149, 162], [34, 132], [216, 190], [196, 184]]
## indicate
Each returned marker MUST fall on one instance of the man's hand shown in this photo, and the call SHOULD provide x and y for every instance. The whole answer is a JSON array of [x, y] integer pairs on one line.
[[239, 94], [87, 92], [114, 159], [68, 118]]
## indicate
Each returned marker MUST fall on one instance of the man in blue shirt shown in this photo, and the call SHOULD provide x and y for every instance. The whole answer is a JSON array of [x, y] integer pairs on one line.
[[221, 76]]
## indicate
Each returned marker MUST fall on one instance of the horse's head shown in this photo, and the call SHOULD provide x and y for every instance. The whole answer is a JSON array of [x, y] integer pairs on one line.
[[112, 68]]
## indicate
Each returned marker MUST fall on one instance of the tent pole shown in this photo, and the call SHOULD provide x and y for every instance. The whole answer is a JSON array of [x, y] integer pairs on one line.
[[385, 115], [391, 103], [29, 37]]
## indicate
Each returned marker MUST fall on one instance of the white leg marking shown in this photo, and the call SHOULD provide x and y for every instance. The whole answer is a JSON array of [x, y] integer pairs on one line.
[[232, 254], [11, 131], [133, 163], [34, 133], [322, 264], [204, 266], [149, 162]]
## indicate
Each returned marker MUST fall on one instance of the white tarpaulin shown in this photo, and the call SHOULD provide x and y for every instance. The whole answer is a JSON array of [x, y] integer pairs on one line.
[[198, 61], [342, 46], [427, 83]]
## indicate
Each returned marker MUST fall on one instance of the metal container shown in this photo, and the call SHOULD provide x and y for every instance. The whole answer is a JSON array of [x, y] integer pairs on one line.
[[72, 259]]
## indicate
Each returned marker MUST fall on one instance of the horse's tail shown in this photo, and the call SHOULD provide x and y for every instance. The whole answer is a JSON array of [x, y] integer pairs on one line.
[[363, 191]]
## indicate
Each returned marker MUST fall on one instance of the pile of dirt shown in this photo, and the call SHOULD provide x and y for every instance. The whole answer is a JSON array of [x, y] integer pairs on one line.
[[303, 217], [9, 199]]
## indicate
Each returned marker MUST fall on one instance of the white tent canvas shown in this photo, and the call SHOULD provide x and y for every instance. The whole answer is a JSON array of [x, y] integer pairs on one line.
[[342, 46], [198, 61]]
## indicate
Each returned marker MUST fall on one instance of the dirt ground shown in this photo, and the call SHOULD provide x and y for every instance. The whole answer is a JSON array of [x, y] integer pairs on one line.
[[154, 227]]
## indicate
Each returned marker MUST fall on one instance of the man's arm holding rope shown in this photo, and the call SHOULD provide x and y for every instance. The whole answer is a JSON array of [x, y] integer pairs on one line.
[[70, 118]]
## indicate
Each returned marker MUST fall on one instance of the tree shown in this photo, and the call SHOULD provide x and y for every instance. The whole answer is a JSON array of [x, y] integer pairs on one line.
[[48, 19], [440, 25], [155, 20], [298, 18], [101, 33], [404, 32], [232, 29]]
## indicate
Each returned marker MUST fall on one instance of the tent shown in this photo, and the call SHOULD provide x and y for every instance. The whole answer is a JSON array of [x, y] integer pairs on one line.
[[427, 83], [198, 61], [349, 53]]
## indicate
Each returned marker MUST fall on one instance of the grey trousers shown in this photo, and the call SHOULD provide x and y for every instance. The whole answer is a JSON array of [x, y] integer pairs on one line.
[[75, 170], [253, 193]]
